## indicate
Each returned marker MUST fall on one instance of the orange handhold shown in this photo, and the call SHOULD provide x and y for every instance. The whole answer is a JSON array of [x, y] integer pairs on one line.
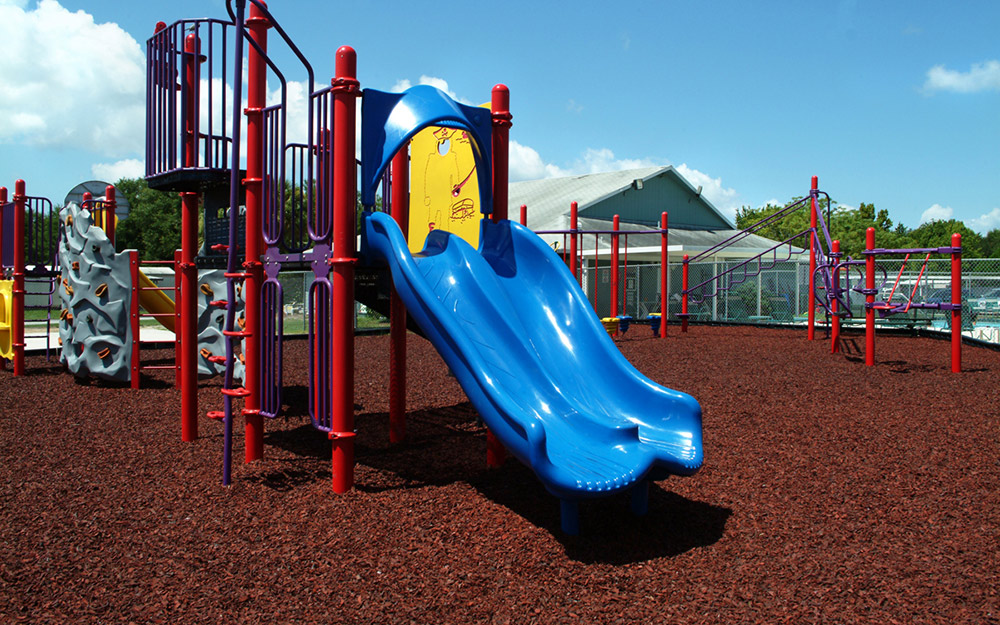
[[104, 353], [76, 265], [205, 353], [207, 290], [101, 290]]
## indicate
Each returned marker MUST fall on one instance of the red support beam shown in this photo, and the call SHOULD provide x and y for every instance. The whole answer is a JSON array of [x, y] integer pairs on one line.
[[178, 380], [17, 308], [524, 215], [664, 300], [345, 91], [500, 107], [397, 311], [188, 304], [257, 25], [110, 208], [3, 201], [133, 315]]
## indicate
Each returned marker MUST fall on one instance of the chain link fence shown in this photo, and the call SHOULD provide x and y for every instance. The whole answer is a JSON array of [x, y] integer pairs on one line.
[[777, 293]]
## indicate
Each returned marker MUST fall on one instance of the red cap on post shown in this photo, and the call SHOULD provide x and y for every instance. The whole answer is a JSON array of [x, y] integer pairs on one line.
[[815, 183], [347, 62]]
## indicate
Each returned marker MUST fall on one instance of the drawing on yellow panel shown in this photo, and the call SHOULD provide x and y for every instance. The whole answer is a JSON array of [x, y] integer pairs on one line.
[[444, 190]]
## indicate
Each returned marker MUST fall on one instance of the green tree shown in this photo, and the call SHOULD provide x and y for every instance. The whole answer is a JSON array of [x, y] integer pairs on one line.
[[153, 226], [991, 244], [938, 233]]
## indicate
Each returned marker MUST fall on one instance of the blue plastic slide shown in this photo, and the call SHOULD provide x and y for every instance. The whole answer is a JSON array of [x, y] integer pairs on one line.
[[515, 328]]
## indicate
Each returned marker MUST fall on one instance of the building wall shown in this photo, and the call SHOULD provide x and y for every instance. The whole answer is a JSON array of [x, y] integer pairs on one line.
[[665, 192]]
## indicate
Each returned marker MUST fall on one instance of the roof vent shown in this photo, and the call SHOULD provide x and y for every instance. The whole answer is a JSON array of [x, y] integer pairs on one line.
[[637, 184]]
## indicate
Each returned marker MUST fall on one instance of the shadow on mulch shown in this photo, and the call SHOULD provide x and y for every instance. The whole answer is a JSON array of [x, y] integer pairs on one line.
[[609, 532], [447, 445]]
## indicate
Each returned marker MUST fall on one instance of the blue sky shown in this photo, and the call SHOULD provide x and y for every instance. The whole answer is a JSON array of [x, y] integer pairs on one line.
[[895, 103]]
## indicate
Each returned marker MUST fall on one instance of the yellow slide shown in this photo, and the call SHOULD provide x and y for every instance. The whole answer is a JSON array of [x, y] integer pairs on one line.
[[156, 302], [6, 325]]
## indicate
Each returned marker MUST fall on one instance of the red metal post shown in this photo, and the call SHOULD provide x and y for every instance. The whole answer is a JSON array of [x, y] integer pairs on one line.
[[524, 215], [110, 208], [397, 311], [835, 322], [188, 304], [614, 266], [178, 381], [3, 201], [133, 315], [684, 295], [345, 89], [956, 299], [664, 300], [870, 298], [813, 239], [257, 25], [573, 224], [17, 308], [500, 107]]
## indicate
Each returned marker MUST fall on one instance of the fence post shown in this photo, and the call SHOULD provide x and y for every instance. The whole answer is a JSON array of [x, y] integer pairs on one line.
[[835, 286], [684, 294], [614, 266], [869, 297], [813, 239], [524, 215], [573, 221], [956, 300], [664, 300]]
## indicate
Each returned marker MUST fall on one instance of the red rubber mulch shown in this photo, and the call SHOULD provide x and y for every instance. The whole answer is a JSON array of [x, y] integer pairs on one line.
[[831, 493]]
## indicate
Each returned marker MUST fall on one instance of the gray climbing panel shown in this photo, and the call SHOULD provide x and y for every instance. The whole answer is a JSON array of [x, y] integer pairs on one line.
[[96, 293]]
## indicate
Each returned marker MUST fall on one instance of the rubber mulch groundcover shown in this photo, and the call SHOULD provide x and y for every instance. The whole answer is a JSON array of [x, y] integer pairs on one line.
[[831, 493]]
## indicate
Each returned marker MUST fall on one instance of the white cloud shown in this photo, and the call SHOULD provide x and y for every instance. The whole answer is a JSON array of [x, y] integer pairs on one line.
[[440, 83], [980, 77], [726, 199], [985, 223], [70, 82], [936, 213], [113, 172]]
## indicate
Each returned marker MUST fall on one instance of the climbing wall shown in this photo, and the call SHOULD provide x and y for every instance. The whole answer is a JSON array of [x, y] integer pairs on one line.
[[211, 322], [95, 291]]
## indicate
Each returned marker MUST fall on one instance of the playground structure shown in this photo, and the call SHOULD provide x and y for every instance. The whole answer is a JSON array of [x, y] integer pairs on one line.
[[830, 281], [28, 236], [101, 293], [520, 354]]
